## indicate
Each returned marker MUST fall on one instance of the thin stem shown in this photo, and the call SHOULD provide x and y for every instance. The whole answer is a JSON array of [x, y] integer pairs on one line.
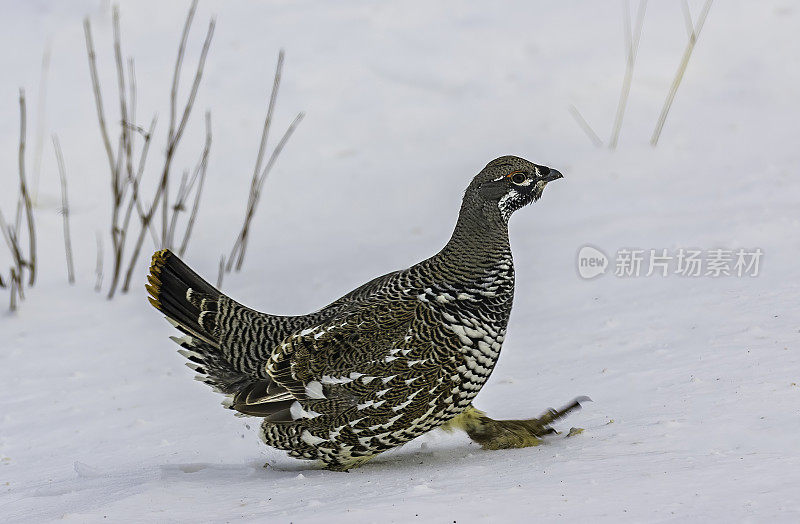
[[202, 166], [98, 98], [172, 145], [62, 172], [273, 96], [176, 74], [262, 147], [632, 44], [584, 125], [256, 195], [136, 181], [23, 187], [98, 268], [15, 290], [177, 207], [120, 183], [16, 270], [175, 133], [221, 272], [676, 82]]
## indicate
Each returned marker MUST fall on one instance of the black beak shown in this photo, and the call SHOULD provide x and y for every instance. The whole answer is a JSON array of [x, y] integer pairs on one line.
[[548, 175]]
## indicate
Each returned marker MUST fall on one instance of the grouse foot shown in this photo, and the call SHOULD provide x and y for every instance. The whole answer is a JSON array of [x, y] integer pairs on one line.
[[503, 434]]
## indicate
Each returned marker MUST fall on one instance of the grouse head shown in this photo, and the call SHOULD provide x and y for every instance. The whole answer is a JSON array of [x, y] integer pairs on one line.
[[509, 183]]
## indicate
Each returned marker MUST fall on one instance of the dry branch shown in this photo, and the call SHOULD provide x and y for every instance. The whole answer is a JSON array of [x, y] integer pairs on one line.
[[257, 181], [174, 136], [98, 97], [262, 148], [255, 194], [632, 45], [16, 253], [200, 177], [114, 159], [26, 198], [16, 288], [273, 96], [176, 132], [676, 82], [15, 273], [62, 172], [98, 268], [221, 272], [135, 181], [584, 125], [126, 172]]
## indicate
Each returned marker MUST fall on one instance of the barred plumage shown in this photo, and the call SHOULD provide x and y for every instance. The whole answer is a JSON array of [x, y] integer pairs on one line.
[[402, 354]]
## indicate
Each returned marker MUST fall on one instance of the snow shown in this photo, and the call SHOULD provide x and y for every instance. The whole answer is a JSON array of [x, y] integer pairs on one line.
[[694, 380]]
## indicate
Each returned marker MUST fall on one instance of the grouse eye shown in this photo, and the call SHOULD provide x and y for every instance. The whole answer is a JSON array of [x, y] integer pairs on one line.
[[518, 178]]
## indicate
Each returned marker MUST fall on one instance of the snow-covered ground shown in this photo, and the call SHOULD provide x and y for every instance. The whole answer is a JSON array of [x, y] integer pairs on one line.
[[695, 380]]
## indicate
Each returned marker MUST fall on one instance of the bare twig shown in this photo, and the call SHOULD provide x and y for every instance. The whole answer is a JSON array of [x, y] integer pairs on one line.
[[131, 123], [98, 268], [273, 96], [23, 188], [16, 255], [584, 125], [62, 172], [200, 175], [172, 143], [175, 134], [687, 53], [176, 128], [118, 182], [124, 111], [98, 97], [114, 160], [177, 207], [15, 290], [240, 246], [8, 233], [20, 287], [176, 75], [11, 242], [632, 45], [221, 272], [237, 249], [262, 147], [187, 185], [135, 183]]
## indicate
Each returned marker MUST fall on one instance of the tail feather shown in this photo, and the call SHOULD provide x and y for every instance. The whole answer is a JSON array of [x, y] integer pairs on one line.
[[192, 305], [171, 283], [189, 303]]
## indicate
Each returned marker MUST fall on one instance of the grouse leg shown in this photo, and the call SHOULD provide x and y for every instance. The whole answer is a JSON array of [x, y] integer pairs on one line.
[[503, 434]]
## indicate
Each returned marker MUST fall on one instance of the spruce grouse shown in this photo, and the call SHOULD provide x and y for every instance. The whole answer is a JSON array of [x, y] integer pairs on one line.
[[399, 356]]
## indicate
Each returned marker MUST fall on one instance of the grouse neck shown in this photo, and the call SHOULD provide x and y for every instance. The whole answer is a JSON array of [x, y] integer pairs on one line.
[[479, 241]]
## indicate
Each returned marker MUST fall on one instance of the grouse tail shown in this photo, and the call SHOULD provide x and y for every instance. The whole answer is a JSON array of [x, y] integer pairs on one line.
[[190, 304]]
